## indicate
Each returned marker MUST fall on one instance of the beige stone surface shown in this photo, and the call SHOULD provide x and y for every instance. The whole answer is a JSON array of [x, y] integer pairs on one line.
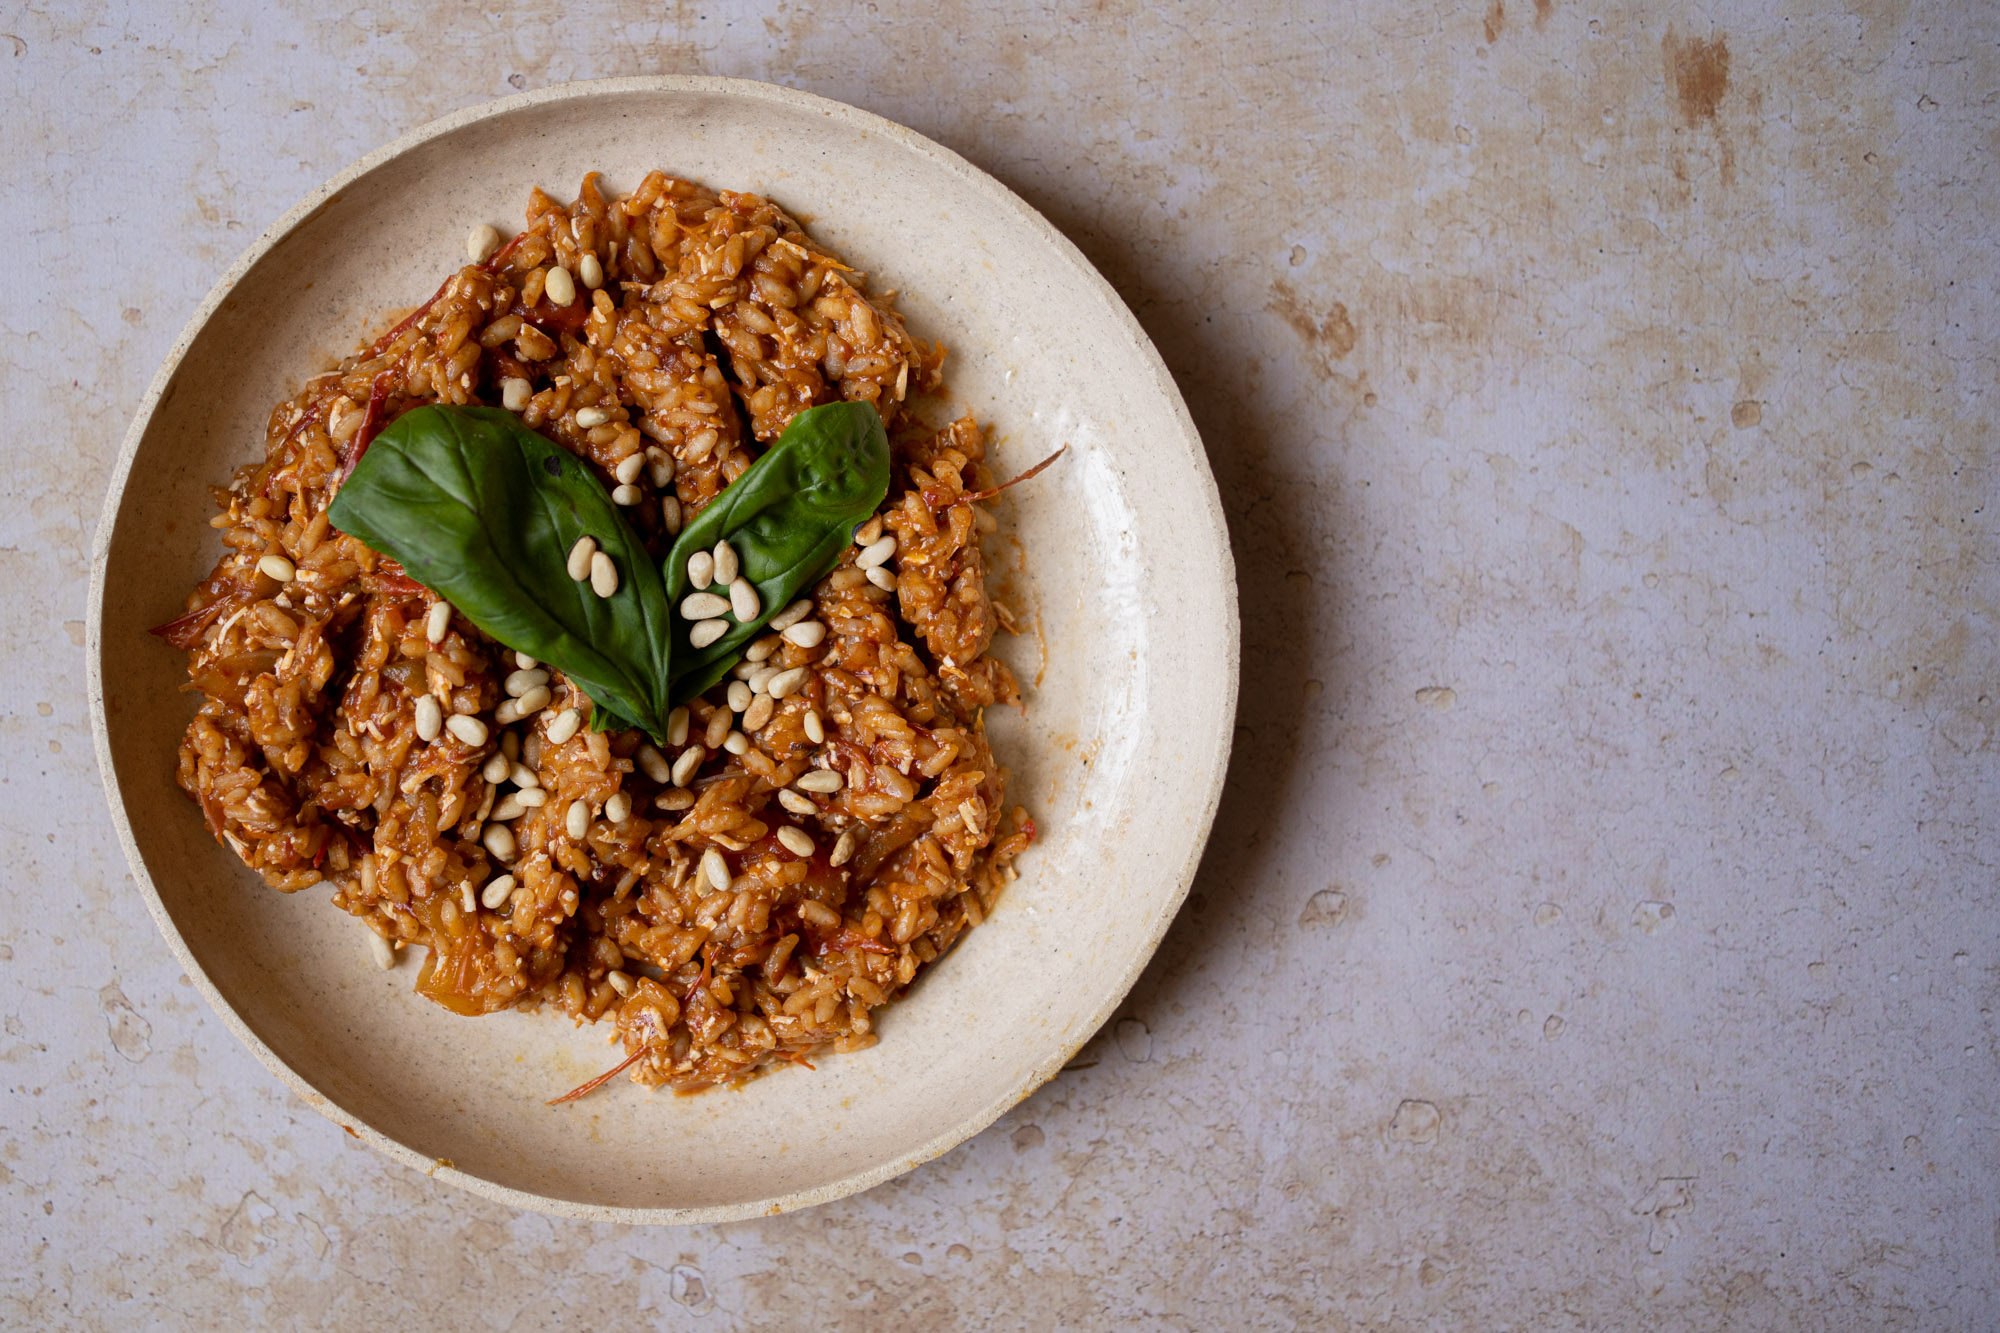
[[1599, 926]]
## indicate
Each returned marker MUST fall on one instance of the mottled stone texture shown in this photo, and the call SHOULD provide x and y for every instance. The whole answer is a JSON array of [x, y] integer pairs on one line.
[[1599, 925]]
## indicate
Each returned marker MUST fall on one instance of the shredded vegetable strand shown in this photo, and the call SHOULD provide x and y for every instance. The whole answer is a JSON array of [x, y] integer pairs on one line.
[[1031, 472]]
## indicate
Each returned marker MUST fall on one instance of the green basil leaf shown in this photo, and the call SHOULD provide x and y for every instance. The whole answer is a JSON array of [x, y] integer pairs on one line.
[[484, 512], [789, 516]]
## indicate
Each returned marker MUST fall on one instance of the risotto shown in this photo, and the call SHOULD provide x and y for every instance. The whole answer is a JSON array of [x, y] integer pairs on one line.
[[800, 839]]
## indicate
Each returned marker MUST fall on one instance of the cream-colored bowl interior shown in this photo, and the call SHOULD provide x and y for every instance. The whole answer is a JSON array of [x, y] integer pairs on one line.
[[1119, 755]]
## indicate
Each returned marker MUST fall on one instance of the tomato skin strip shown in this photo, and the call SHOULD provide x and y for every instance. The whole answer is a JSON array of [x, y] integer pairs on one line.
[[184, 631], [585, 1089], [371, 424], [1031, 472]]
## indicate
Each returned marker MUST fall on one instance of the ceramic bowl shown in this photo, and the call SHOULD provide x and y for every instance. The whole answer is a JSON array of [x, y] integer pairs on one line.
[[1130, 665]]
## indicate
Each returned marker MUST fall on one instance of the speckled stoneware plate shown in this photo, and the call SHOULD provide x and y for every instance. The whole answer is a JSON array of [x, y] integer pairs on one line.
[[1119, 754]]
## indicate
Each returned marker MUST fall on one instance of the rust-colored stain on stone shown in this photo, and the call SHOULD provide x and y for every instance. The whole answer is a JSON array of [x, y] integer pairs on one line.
[[1496, 21], [1331, 335], [1698, 69]]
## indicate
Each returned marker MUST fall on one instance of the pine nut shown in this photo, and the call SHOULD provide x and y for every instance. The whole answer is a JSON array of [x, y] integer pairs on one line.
[[534, 701], [716, 870], [843, 850], [495, 768], [688, 765], [882, 579], [565, 725], [380, 950], [875, 553], [660, 467], [529, 751], [579, 558], [824, 781], [739, 696], [496, 893], [481, 243], [727, 566], [761, 648], [670, 515], [437, 623], [559, 286], [510, 746], [792, 614], [701, 570], [869, 533], [718, 727], [590, 418], [653, 764], [499, 840], [603, 575], [576, 821], [677, 727], [680, 798], [707, 632], [591, 269], [758, 714], [797, 841], [703, 606], [743, 671], [736, 743], [618, 807], [277, 567], [743, 600], [806, 634], [629, 468], [619, 981], [814, 727], [522, 776], [467, 728], [532, 798], [760, 679], [626, 495], [519, 683], [507, 809], [507, 713], [524, 662], [787, 683], [430, 717], [515, 393], [796, 803]]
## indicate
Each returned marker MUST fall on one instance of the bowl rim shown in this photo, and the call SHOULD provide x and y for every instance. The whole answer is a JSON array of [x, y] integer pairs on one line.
[[753, 90]]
